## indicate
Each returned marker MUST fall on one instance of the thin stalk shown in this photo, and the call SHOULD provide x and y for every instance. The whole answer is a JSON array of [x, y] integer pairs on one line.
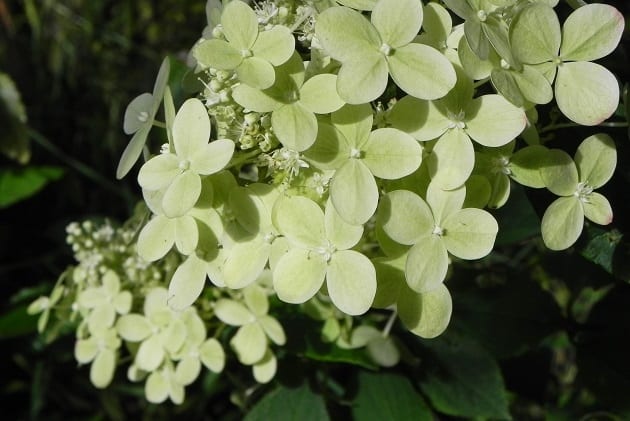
[[567, 125]]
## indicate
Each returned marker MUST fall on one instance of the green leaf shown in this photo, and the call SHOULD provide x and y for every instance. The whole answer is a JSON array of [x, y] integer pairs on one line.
[[297, 403], [354, 192], [559, 173], [391, 153], [461, 379], [518, 208], [422, 71], [452, 159], [21, 183], [591, 32], [344, 33], [492, 121], [397, 21], [362, 77], [156, 238], [319, 94], [405, 217], [295, 126], [597, 209], [562, 223], [275, 45], [239, 24], [298, 275], [596, 159], [535, 34], [187, 283], [351, 281], [586, 93], [388, 396], [428, 314], [427, 264], [470, 233], [18, 322]]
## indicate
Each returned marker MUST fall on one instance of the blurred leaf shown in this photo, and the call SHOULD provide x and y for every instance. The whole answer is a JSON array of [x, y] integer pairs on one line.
[[14, 141], [20, 184], [461, 379], [284, 403], [518, 208], [506, 319], [388, 396], [16, 322], [607, 249]]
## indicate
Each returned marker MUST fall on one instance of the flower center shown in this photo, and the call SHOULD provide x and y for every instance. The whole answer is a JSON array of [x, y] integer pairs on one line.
[[245, 53], [184, 164], [456, 120], [386, 49], [143, 116], [437, 230], [326, 251], [583, 191], [355, 153]]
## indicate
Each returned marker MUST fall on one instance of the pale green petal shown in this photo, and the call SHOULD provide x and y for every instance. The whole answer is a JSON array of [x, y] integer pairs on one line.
[[159, 171], [452, 160], [191, 128], [295, 126], [391, 153], [122, 302], [473, 66], [101, 318], [133, 327], [493, 121], [156, 238], [500, 191], [343, 32], [256, 72], [212, 355], [390, 276], [298, 275], [92, 297], [559, 173], [586, 93], [354, 122], [137, 113], [422, 71], [239, 24], [444, 202], [354, 192], [264, 370], [256, 300], [535, 34], [397, 21], [422, 119], [186, 234], [596, 159], [479, 191], [597, 209], [477, 39], [359, 4], [319, 94], [279, 248], [187, 283], [132, 151], [437, 25], [405, 216], [300, 220], [180, 196], [169, 115], [156, 388], [525, 165], [150, 354], [470, 233], [362, 78], [273, 329], [461, 8], [330, 149], [249, 343], [427, 264], [173, 336], [245, 262], [562, 223], [213, 157], [102, 369], [187, 370], [217, 54], [383, 351], [351, 282], [155, 301], [233, 312], [85, 350], [254, 99], [340, 233], [591, 32], [275, 45], [426, 315]]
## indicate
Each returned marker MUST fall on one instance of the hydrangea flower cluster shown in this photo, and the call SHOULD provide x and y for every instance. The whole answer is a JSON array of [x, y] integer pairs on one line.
[[285, 175]]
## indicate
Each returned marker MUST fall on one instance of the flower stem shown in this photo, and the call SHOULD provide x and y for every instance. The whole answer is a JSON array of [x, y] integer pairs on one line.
[[552, 127]]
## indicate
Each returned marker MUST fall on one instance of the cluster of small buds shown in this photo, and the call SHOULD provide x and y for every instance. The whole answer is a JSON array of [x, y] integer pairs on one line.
[[381, 113], [305, 20], [271, 13], [284, 164], [218, 87]]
